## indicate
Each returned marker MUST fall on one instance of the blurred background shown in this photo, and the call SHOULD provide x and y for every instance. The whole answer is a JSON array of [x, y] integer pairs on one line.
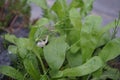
[[107, 9]]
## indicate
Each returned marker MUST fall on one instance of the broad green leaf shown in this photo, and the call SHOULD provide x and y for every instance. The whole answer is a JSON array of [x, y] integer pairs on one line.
[[90, 36], [98, 73], [89, 67], [74, 35], [74, 59], [55, 51], [22, 52], [22, 45], [75, 18], [41, 3], [10, 38], [31, 66], [21, 42], [11, 72], [111, 50], [60, 8], [74, 40], [25, 43]]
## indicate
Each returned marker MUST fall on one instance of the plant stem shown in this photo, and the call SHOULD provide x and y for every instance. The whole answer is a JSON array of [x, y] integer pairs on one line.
[[116, 26], [39, 57], [41, 62]]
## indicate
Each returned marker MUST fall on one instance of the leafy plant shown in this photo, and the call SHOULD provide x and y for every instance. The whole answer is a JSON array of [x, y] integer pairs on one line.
[[73, 47]]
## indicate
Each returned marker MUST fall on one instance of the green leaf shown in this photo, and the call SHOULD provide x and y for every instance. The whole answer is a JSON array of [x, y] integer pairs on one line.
[[75, 18], [12, 49], [60, 8], [111, 50], [87, 7], [106, 37], [74, 59], [74, 48], [55, 51], [90, 36], [31, 66], [74, 40], [10, 38], [11, 72], [113, 74], [41, 22], [73, 37], [23, 45], [40, 33], [32, 33], [41, 3], [98, 73], [76, 4], [38, 51], [89, 67], [39, 30], [44, 77]]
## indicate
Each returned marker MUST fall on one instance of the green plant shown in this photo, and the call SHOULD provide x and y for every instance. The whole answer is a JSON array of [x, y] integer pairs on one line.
[[76, 47]]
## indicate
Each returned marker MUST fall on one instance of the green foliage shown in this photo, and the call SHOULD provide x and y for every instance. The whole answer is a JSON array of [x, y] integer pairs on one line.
[[60, 8], [75, 18], [74, 59], [111, 50], [9, 71], [90, 66], [30, 66], [24, 48], [55, 51], [76, 47], [90, 35], [87, 7], [38, 30]]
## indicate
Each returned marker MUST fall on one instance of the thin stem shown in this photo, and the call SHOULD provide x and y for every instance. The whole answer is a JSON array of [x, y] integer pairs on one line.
[[116, 26], [41, 62]]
